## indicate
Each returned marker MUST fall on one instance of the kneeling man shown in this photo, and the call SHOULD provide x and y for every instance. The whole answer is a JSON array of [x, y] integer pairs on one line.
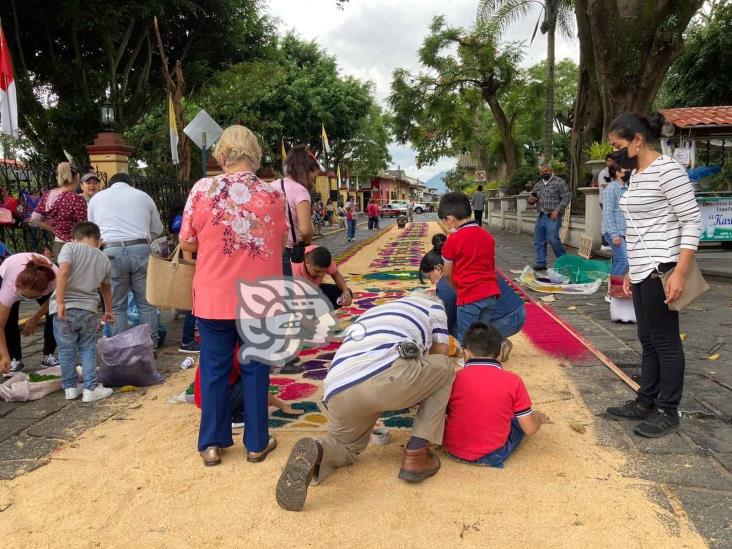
[[393, 357]]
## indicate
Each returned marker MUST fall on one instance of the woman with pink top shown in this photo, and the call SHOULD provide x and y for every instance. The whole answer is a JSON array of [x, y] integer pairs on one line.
[[302, 169]]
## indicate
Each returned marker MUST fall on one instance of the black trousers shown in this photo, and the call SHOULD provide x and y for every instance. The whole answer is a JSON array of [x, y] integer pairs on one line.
[[478, 216], [12, 332], [332, 292], [663, 362]]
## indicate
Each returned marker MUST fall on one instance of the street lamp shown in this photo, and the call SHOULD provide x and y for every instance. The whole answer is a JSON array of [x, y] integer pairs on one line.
[[107, 115]]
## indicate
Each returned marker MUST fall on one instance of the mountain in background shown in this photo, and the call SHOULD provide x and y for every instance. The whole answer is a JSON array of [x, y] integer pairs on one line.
[[437, 181]]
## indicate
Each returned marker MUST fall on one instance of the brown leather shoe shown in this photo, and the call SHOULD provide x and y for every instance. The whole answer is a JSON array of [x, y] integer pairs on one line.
[[419, 464], [211, 455], [256, 457]]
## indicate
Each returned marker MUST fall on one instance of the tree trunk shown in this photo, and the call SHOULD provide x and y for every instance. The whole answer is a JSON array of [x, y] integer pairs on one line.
[[626, 48], [551, 19], [634, 43], [504, 128]]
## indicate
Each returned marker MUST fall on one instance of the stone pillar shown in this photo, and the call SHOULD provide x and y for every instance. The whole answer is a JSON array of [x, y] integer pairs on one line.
[[593, 215], [522, 203], [109, 154], [503, 193]]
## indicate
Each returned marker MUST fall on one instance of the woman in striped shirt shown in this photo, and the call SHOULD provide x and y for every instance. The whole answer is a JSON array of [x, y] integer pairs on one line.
[[663, 229]]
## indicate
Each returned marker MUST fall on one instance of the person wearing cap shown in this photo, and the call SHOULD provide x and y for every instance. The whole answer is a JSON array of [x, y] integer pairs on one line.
[[89, 186], [129, 220]]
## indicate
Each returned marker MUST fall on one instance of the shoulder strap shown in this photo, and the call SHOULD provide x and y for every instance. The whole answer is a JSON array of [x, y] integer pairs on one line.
[[632, 221], [289, 213]]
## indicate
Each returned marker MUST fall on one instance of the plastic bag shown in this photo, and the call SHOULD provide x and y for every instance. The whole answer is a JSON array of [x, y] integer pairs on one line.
[[128, 359], [19, 388], [133, 319]]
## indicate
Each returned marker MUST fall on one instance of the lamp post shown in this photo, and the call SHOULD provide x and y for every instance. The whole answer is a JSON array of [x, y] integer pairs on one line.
[[107, 115]]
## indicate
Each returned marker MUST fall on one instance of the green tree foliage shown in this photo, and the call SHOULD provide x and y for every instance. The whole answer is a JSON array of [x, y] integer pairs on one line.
[[287, 95], [702, 75], [441, 107], [69, 55]]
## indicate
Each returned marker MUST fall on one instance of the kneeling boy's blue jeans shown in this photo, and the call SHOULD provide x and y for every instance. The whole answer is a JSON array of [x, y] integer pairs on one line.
[[498, 456], [77, 333], [478, 311]]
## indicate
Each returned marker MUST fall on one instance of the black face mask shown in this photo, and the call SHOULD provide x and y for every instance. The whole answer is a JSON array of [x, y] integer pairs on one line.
[[546, 176], [624, 161], [626, 177]]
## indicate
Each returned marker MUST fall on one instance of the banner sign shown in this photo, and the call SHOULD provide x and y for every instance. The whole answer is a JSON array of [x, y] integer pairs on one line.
[[716, 215]]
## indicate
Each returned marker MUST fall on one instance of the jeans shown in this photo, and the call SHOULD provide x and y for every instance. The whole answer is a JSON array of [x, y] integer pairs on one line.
[[77, 333], [129, 273], [545, 231], [478, 214], [189, 329], [620, 261], [286, 265], [474, 312], [662, 362], [498, 456], [511, 324], [351, 228], [218, 340]]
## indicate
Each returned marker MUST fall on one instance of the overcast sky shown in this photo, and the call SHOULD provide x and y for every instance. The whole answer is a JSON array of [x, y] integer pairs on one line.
[[371, 38]]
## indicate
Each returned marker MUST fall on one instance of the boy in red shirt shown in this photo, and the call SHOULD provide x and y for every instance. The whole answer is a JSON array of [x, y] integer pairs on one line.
[[489, 411], [470, 262]]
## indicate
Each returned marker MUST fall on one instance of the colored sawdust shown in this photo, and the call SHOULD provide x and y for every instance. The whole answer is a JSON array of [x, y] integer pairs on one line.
[[151, 489], [550, 336]]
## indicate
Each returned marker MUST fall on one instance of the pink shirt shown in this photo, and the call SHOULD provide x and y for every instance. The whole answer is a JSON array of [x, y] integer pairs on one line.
[[299, 270], [238, 222], [9, 271], [63, 209], [296, 193]]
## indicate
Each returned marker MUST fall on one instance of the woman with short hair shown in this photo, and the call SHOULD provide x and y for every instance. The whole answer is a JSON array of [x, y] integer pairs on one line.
[[235, 224], [60, 209]]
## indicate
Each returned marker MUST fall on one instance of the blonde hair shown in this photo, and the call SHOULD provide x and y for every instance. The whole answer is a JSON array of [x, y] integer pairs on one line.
[[239, 143], [65, 173]]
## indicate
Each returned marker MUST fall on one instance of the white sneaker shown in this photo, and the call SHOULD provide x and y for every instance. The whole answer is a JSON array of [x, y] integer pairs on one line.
[[237, 425], [98, 393], [73, 392], [49, 361], [15, 366], [608, 299]]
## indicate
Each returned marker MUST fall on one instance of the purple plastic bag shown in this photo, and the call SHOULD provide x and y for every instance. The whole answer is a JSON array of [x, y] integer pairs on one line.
[[128, 359]]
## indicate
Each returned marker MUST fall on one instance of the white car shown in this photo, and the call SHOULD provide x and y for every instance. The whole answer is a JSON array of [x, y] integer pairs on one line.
[[420, 208]]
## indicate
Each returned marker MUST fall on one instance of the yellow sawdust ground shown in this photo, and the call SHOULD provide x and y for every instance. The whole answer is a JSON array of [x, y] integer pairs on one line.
[[140, 483]]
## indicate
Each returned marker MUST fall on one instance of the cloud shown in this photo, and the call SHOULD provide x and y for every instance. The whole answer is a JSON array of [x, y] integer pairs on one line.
[[372, 38]]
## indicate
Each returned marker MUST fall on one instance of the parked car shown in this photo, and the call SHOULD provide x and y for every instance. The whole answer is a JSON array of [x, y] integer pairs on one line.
[[420, 208], [394, 209]]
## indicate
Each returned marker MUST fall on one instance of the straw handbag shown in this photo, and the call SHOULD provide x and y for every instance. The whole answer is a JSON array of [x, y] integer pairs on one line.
[[170, 281]]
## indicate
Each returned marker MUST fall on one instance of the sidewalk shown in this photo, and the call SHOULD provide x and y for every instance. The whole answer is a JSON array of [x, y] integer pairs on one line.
[[696, 462]]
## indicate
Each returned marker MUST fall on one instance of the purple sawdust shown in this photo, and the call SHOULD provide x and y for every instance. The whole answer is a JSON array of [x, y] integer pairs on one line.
[[314, 364], [315, 374], [326, 356]]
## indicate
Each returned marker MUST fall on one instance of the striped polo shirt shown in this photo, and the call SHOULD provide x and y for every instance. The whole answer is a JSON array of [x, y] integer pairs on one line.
[[661, 202], [370, 344]]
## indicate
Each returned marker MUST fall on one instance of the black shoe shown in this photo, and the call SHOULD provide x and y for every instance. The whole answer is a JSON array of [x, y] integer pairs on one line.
[[539, 267], [659, 424], [292, 367], [292, 487], [632, 409]]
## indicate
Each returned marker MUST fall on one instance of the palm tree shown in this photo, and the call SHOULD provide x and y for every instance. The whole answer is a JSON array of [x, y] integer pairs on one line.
[[554, 14]]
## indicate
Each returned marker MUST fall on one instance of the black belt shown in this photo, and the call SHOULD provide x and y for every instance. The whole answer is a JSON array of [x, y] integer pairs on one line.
[[126, 243]]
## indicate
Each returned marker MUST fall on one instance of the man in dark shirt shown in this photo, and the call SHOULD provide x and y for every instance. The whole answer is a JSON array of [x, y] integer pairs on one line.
[[551, 196]]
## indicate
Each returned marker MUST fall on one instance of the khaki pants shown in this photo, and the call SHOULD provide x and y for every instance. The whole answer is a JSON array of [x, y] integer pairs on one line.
[[352, 413]]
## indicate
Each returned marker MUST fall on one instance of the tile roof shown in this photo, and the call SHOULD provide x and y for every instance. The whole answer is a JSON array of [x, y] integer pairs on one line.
[[699, 116]]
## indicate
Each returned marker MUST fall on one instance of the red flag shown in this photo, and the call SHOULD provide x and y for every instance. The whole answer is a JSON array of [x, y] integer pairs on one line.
[[8, 100]]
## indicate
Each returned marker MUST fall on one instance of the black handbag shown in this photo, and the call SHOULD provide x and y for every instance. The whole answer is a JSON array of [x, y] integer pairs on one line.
[[297, 252]]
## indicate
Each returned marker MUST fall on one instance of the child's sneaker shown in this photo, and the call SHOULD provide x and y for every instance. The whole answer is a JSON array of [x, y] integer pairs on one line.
[[15, 366], [49, 361], [73, 392], [191, 348], [98, 393]]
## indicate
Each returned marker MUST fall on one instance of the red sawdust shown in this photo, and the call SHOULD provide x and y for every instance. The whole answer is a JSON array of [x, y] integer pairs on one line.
[[550, 336]]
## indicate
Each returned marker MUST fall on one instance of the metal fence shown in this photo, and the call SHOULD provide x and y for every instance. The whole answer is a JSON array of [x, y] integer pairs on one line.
[[27, 183]]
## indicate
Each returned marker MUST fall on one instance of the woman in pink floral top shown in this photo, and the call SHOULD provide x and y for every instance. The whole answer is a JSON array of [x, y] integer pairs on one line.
[[236, 225], [61, 208]]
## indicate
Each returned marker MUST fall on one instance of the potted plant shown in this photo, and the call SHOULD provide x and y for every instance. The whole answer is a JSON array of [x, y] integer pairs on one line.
[[597, 152]]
